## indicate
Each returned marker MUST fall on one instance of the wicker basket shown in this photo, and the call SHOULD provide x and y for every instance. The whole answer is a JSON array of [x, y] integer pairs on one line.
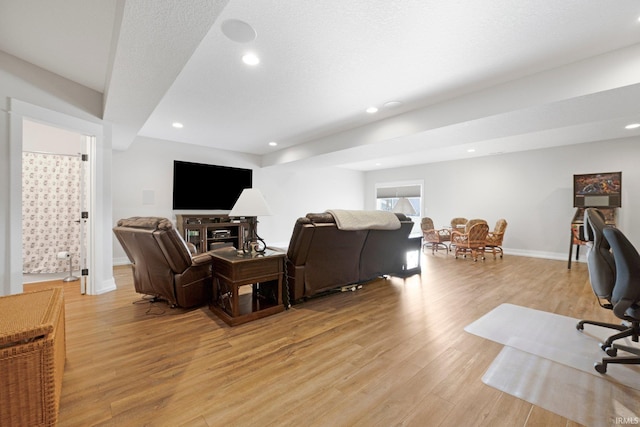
[[32, 355]]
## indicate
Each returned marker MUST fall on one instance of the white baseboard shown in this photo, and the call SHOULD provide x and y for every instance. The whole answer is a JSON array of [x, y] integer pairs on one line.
[[547, 255], [121, 261], [516, 252], [107, 286]]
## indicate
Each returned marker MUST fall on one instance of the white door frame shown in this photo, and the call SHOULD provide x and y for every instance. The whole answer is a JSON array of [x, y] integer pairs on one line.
[[20, 110]]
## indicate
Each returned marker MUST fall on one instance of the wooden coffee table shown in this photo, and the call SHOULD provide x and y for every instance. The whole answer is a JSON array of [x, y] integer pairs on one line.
[[246, 286]]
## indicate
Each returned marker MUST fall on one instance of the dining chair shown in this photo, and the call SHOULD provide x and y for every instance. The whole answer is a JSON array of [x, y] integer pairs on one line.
[[494, 238], [434, 238], [472, 241]]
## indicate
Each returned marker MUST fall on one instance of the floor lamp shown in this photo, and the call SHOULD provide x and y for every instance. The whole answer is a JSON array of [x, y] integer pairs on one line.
[[251, 205]]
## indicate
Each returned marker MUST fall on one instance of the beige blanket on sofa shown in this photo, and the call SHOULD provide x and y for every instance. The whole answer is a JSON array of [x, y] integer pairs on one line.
[[365, 220]]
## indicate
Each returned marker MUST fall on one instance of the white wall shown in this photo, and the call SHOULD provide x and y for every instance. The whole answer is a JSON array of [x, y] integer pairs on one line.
[[148, 166], [40, 138], [290, 192], [28, 92], [293, 192], [532, 190]]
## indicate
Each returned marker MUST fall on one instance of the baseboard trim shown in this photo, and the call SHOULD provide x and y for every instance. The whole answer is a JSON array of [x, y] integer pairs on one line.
[[121, 261], [546, 255], [507, 251], [107, 286]]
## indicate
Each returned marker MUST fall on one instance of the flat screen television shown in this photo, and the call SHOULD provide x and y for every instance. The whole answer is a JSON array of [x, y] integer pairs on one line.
[[198, 186], [597, 190]]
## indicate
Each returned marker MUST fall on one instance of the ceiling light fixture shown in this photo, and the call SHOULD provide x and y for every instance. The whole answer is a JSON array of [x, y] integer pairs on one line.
[[251, 59], [471, 150], [372, 110], [392, 104], [273, 143], [238, 31], [177, 125], [632, 126]]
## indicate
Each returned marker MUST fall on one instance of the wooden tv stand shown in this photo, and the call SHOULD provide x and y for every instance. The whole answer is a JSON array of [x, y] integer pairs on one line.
[[202, 230]]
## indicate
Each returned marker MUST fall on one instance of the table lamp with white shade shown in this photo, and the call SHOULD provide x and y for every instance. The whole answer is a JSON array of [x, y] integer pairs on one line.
[[404, 206], [251, 205]]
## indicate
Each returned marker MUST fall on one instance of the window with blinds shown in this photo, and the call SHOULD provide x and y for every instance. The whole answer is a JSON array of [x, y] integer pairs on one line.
[[406, 199]]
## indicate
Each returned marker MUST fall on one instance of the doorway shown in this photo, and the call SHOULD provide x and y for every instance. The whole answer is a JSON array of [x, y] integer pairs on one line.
[[54, 191], [22, 112]]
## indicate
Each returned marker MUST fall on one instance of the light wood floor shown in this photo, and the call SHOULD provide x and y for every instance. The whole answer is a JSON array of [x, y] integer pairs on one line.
[[392, 353]]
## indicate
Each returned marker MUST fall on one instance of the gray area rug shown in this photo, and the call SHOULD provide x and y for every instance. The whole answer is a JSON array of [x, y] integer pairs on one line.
[[548, 362]]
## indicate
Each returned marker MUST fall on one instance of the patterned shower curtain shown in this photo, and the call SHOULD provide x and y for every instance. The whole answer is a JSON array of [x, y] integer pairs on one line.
[[50, 209]]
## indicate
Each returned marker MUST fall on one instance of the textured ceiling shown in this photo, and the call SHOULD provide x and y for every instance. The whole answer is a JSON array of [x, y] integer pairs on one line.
[[497, 76], [71, 38]]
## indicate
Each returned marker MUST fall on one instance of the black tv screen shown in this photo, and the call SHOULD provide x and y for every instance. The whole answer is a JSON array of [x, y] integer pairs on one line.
[[198, 186]]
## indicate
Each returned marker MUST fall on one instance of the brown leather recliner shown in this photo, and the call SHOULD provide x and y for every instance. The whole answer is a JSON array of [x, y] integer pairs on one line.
[[163, 265], [322, 257]]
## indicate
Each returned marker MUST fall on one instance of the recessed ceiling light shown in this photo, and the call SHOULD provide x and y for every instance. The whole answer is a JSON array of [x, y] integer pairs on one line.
[[251, 59], [471, 150], [177, 125], [273, 143], [372, 110], [632, 126]]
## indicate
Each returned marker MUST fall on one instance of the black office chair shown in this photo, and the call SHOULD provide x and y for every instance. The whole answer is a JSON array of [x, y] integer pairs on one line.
[[625, 298], [602, 269]]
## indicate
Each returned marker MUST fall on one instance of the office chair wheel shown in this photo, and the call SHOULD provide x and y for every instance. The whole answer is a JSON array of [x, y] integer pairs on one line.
[[600, 367], [611, 351]]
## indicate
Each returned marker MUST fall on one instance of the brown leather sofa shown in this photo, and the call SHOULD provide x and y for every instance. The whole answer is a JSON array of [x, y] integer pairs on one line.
[[163, 265], [321, 257]]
